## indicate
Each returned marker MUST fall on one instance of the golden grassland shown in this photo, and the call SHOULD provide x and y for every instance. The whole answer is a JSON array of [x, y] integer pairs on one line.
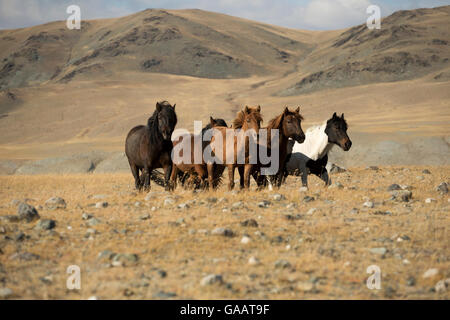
[[328, 249]]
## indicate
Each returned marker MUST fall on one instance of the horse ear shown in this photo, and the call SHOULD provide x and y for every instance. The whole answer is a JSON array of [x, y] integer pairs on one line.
[[174, 106], [286, 110], [158, 107], [334, 115], [246, 110], [259, 108], [342, 116], [211, 120], [297, 110]]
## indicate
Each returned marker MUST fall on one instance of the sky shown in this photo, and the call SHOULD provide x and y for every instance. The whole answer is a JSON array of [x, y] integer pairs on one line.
[[299, 14]]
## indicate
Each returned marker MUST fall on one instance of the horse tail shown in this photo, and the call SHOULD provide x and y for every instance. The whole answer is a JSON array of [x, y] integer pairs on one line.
[[158, 177]]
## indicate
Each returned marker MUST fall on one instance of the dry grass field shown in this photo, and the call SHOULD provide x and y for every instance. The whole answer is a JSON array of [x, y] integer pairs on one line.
[[298, 252]]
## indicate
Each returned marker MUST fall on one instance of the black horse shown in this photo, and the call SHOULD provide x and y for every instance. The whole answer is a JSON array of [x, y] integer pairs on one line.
[[312, 155], [149, 147]]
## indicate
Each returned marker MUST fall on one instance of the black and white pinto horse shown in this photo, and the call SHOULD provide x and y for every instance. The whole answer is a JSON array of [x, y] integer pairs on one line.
[[311, 156]]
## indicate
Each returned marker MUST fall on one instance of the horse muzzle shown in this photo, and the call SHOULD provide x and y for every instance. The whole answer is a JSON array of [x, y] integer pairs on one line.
[[347, 145], [300, 138]]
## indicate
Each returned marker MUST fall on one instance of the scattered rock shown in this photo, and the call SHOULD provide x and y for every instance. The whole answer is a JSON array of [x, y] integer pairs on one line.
[[333, 168], [212, 279], [311, 211], [101, 204], [442, 188], [278, 197], [430, 273], [145, 216], [245, 240], [426, 171], [411, 281], [46, 224], [380, 251], [222, 232], [430, 200], [401, 195], [25, 256], [5, 293], [55, 203], [27, 212], [249, 223], [253, 261], [336, 185], [237, 205], [264, 204], [93, 222], [442, 285], [164, 295], [169, 201], [393, 187], [368, 204], [307, 199], [303, 189], [124, 259], [183, 206], [282, 264], [354, 211]]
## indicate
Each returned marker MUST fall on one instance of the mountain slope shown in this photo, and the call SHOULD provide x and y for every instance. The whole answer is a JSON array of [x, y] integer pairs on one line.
[[410, 44], [182, 42]]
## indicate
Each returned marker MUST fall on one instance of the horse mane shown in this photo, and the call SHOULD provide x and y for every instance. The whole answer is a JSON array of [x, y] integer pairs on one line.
[[155, 135], [240, 116], [275, 123]]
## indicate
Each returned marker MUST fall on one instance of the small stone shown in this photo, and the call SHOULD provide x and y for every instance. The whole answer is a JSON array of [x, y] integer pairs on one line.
[[245, 240], [124, 259], [27, 212], [278, 197], [442, 188], [183, 206], [393, 187], [426, 171], [212, 279], [5, 293], [20, 236], [145, 216], [402, 195], [303, 189], [86, 216], [282, 264], [354, 211], [336, 169], [380, 251], [411, 282], [307, 199], [93, 222], [253, 261], [430, 273], [237, 205], [164, 295], [101, 204], [106, 254], [222, 232], [55, 203], [169, 201], [368, 204], [442, 285], [162, 273], [305, 286], [430, 200], [264, 204], [25, 256], [311, 211], [336, 185], [46, 224], [137, 204], [249, 223]]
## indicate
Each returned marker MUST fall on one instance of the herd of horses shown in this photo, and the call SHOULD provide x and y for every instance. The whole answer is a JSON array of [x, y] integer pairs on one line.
[[150, 147]]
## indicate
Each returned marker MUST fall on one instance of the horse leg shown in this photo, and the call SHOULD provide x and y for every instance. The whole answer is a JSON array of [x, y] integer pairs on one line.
[[304, 173], [210, 169], [247, 170], [324, 176], [241, 176], [135, 173], [167, 173], [146, 177], [174, 176], [231, 176]]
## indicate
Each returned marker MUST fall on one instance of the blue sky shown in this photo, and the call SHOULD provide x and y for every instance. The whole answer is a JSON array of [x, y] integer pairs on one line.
[[300, 14]]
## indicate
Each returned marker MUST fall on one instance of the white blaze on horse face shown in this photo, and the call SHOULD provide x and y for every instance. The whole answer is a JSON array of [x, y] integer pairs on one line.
[[274, 158], [241, 136], [183, 146]]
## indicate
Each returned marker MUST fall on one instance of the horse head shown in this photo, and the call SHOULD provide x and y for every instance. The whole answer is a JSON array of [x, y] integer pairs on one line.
[[291, 125], [166, 118], [336, 131]]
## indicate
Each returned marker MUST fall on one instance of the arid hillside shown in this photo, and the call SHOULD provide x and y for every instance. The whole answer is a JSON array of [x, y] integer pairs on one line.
[[66, 92]]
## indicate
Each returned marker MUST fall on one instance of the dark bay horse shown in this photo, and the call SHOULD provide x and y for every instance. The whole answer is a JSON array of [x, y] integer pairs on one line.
[[192, 170], [312, 155], [288, 124], [149, 147], [228, 153]]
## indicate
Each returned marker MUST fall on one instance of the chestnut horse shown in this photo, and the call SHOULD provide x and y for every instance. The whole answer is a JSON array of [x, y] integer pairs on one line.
[[194, 168], [236, 153]]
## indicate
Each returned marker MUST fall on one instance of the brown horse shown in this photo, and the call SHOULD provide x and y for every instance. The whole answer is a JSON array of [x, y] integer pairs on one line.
[[234, 153], [191, 168], [149, 147], [288, 125]]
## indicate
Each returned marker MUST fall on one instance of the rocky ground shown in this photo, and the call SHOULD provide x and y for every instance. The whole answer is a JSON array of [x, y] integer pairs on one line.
[[290, 243]]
